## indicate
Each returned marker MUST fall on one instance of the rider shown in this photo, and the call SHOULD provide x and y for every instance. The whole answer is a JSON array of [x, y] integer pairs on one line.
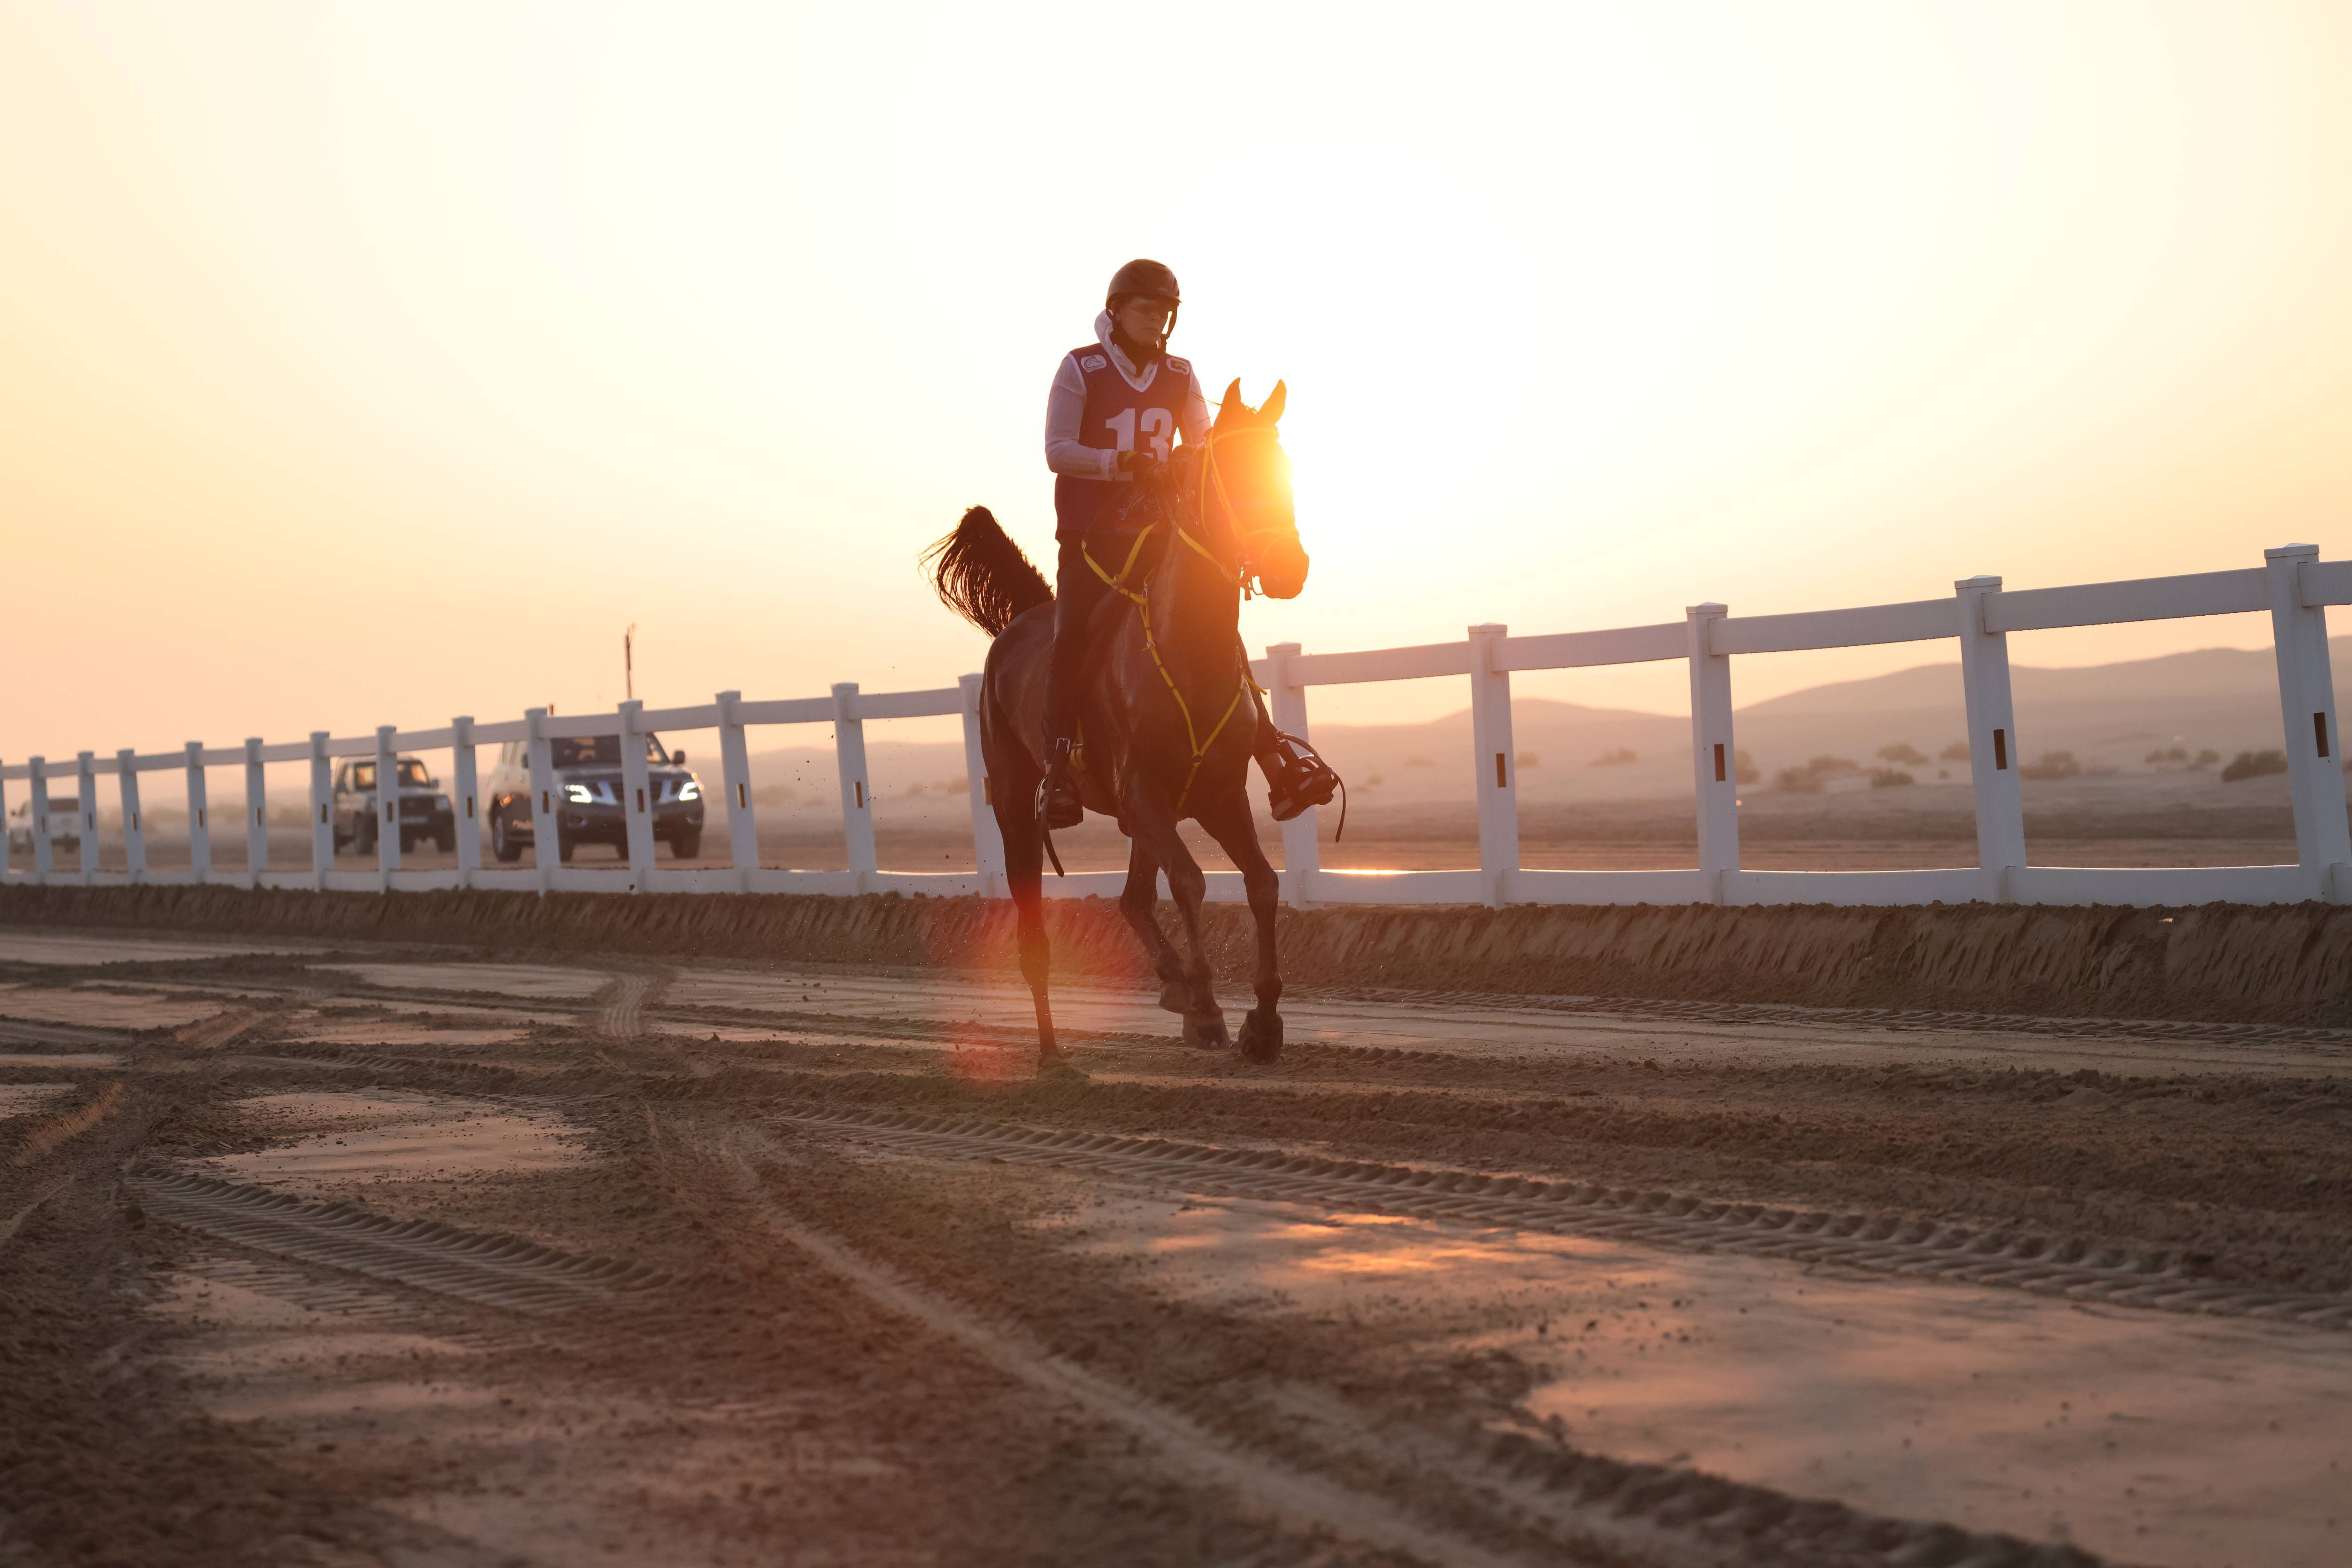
[[1117, 406]]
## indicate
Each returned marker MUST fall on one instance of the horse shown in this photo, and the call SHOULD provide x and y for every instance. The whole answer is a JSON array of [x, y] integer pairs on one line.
[[1166, 712]]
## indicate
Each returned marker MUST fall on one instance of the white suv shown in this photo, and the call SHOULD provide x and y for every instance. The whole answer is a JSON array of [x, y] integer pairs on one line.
[[65, 823]]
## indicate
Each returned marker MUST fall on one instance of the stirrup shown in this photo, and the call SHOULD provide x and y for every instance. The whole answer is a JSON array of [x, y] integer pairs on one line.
[[1059, 803], [1305, 781]]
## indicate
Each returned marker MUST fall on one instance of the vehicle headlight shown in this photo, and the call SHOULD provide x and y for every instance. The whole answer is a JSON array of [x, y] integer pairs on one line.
[[689, 790], [580, 794]]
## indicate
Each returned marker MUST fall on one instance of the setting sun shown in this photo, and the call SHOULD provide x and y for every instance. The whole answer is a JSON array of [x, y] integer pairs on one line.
[[558, 317]]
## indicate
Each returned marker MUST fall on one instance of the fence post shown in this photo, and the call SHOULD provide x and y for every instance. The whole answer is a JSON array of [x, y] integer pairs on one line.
[[1992, 740], [134, 828], [546, 837], [465, 786], [1715, 757], [8, 849], [857, 795], [256, 814], [735, 770], [86, 781], [2314, 750], [987, 842], [200, 828], [1302, 847], [637, 809], [387, 805], [43, 856], [322, 823], [1497, 766]]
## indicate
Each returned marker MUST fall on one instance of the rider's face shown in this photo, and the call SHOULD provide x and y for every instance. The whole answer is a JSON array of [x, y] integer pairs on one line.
[[1143, 320]]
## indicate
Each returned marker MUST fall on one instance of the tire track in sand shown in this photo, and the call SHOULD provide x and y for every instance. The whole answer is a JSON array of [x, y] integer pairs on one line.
[[620, 1007], [484, 1267], [1883, 1243], [2333, 1040], [43, 1136], [212, 1033]]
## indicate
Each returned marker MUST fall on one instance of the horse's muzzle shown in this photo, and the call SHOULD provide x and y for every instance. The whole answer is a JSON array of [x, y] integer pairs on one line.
[[1282, 572]]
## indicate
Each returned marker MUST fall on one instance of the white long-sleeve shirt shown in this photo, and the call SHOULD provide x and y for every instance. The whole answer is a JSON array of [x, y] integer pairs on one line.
[[1066, 408]]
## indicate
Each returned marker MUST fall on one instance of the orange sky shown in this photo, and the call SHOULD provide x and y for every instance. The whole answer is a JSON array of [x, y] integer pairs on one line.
[[366, 364]]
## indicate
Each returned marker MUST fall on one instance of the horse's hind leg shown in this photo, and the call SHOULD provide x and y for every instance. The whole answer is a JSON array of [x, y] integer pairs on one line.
[[1236, 834], [1024, 868], [1138, 901]]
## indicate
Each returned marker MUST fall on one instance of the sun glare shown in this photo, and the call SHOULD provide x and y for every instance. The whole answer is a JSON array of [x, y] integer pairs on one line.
[[708, 320]]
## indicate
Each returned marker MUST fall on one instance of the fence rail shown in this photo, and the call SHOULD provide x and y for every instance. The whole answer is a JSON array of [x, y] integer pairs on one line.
[[2293, 584]]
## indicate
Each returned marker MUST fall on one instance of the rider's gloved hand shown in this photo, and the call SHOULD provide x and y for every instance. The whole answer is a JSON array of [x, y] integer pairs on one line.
[[1142, 465]]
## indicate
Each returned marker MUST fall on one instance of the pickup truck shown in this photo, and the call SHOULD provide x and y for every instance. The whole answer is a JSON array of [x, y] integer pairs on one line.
[[587, 804], [425, 811]]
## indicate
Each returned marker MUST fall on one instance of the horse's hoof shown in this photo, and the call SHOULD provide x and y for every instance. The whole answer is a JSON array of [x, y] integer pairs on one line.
[[1261, 1035], [1207, 1031], [1175, 996], [1060, 1069]]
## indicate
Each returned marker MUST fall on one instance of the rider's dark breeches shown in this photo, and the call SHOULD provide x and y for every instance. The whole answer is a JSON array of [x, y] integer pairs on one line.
[[1076, 592]]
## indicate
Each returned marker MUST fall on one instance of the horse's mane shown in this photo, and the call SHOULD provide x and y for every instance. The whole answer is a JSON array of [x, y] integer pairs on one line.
[[982, 575]]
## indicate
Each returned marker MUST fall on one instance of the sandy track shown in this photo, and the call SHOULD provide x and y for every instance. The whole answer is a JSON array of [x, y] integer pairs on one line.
[[1298, 1500], [1180, 1310], [1549, 1502]]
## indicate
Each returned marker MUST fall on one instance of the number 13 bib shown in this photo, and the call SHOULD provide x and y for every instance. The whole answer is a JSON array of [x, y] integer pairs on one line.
[[1119, 418]]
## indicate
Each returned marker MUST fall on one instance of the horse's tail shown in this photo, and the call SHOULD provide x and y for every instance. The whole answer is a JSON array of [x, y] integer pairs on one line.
[[982, 575]]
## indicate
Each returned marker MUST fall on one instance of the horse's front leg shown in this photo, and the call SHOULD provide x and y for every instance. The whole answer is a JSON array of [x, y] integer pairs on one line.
[[1138, 901], [1152, 824], [1231, 825]]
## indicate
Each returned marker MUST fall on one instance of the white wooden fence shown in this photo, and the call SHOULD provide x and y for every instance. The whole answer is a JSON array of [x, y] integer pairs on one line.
[[2293, 584]]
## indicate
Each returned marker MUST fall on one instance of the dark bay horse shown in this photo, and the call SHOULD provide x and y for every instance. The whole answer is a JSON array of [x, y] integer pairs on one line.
[[1168, 718]]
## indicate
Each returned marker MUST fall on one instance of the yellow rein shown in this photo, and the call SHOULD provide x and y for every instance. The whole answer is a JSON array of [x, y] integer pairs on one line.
[[1248, 682], [1192, 736]]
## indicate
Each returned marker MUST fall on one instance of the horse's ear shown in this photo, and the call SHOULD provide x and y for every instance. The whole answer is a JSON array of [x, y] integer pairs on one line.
[[1271, 409], [1232, 401]]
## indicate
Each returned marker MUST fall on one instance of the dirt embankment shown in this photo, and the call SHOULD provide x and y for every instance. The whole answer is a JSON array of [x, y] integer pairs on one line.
[[2279, 964]]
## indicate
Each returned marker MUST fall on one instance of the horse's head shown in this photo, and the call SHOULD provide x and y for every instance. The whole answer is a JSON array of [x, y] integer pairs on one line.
[[1245, 495]]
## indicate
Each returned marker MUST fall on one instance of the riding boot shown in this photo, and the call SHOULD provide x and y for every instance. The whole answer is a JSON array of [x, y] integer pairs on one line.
[[1297, 777], [1058, 801], [1077, 593]]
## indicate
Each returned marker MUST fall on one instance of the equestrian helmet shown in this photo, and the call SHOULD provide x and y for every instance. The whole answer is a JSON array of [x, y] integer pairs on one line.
[[1146, 277]]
